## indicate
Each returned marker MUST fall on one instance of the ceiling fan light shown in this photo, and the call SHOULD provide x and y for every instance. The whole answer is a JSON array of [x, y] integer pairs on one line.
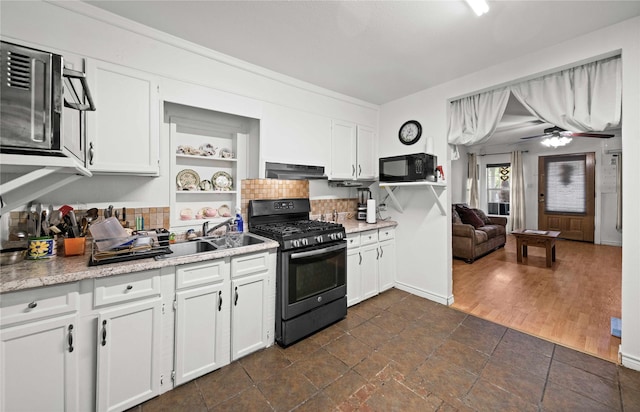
[[480, 7], [555, 141]]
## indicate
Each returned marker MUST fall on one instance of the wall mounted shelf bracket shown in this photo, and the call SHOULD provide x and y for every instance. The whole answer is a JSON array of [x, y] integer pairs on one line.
[[432, 186]]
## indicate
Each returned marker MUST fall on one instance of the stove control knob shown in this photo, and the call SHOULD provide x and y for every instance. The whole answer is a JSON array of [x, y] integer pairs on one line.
[[305, 242], [319, 239], [295, 243], [339, 235]]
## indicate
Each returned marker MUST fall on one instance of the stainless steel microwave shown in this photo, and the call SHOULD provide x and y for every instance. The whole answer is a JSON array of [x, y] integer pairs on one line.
[[414, 167], [42, 103]]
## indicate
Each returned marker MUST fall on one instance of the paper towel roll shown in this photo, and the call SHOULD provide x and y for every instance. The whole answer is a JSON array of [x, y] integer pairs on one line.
[[428, 146], [371, 211]]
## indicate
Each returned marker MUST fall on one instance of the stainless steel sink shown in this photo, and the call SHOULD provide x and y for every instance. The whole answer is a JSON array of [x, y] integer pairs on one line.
[[191, 248], [244, 239], [210, 244]]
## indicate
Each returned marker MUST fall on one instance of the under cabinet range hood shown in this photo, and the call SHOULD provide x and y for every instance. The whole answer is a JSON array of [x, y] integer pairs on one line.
[[284, 171]]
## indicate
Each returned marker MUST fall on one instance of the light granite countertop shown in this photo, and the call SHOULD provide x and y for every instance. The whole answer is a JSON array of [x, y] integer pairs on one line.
[[37, 273], [44, 272], [354, 226]]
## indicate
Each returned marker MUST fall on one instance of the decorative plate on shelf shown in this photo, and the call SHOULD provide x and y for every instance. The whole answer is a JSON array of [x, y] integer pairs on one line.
[[222, 181], [188, 179], [224, 211]]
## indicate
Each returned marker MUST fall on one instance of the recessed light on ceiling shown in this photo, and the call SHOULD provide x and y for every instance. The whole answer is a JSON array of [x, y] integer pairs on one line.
[[556, 141], [480, 7]]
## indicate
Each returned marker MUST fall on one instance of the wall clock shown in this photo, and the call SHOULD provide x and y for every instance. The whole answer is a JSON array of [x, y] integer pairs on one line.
[[410, 132]]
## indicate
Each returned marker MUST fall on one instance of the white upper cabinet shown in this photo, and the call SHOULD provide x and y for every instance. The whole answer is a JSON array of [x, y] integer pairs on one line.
[[352, 151], [366, 155], [343, 150], [123, 132]]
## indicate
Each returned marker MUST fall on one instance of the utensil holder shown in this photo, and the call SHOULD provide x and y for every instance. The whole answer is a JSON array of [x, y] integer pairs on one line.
[[74, 246], [41, 248]]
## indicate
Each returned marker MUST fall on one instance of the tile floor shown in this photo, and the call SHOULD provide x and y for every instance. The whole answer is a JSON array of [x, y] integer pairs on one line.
[[399, 352]]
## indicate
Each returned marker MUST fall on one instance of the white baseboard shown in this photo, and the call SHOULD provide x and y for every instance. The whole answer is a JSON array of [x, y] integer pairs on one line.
[[425, 294], [610, 243], [630, 362]]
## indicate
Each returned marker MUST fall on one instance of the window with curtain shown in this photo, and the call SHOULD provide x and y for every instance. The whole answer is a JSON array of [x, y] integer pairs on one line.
[[566, 185], [498, 188]]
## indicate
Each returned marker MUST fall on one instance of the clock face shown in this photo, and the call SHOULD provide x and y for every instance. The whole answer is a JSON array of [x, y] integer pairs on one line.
[[410, 132]]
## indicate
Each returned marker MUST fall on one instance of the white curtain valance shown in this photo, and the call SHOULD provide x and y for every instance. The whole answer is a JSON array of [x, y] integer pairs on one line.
[[473, 119], [584, 98]]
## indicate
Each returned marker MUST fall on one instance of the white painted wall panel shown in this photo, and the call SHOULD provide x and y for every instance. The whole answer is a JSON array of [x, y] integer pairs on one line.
[[430, 106]]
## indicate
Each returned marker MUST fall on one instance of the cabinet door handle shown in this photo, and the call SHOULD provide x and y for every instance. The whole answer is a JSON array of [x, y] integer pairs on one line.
[[359, 170], [91, 153], [360, 254], [70, 338], [377, 254], [381, 252], [219, 300], [235, 301], [353, 170], [104, 332], [129, 287], [32, 305]]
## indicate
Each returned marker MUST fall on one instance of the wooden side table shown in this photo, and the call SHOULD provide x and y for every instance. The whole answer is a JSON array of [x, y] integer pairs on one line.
[[536, 238]]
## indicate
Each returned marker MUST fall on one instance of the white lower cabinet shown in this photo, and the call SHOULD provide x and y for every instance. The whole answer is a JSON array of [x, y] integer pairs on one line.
[[387, 259], [38, 349], [370, 264], [39, 366], [201, 319], [129, 336], [354, 284], [369, 270], [105, 344], [128, 355], [250, 284]]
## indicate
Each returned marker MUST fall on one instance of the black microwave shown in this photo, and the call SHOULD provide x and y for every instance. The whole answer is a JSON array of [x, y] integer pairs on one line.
[[414, 167]]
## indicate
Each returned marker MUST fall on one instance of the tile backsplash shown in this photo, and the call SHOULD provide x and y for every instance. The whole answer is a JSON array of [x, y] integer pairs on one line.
[[154, 217], [281, 189], [159, 217]]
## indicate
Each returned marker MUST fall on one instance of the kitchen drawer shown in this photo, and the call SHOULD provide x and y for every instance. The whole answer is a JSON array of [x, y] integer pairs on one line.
[[37, 303], [386, 234], [202, 273], [368, 237], [247, 264], [353, 241], [123, 288]]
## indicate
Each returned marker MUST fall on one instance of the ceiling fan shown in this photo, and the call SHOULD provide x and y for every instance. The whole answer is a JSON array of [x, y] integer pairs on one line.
[[555, 131]]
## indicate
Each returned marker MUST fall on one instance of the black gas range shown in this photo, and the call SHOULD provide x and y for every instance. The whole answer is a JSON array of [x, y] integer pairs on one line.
[[311, 269]]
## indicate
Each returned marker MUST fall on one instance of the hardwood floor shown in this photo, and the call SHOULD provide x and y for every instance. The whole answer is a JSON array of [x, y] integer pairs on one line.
[[570, 303]]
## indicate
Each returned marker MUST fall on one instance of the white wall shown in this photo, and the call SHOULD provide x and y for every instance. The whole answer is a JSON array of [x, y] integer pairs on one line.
[[294, 116], [427, 267]]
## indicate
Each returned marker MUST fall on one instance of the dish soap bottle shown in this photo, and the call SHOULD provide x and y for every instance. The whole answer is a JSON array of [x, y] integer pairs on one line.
[[238, 222]]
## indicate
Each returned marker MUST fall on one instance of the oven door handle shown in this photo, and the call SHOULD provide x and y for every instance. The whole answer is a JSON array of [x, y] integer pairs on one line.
[[318, 251]]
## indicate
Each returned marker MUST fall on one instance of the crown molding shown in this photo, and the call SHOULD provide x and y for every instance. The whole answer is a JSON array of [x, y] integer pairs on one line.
[[104, 16]]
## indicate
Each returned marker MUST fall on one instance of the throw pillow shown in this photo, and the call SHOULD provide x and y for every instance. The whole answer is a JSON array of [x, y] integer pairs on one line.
[[482, 216], [469, 217]]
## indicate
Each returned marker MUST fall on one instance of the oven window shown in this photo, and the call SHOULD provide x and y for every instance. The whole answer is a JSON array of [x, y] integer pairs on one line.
[[310, 276]]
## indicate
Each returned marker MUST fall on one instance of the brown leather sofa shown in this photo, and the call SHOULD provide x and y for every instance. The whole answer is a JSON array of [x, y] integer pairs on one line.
[[471, 242]]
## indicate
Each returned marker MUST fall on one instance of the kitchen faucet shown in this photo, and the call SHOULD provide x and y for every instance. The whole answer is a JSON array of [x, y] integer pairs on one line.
[[206, 231]]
